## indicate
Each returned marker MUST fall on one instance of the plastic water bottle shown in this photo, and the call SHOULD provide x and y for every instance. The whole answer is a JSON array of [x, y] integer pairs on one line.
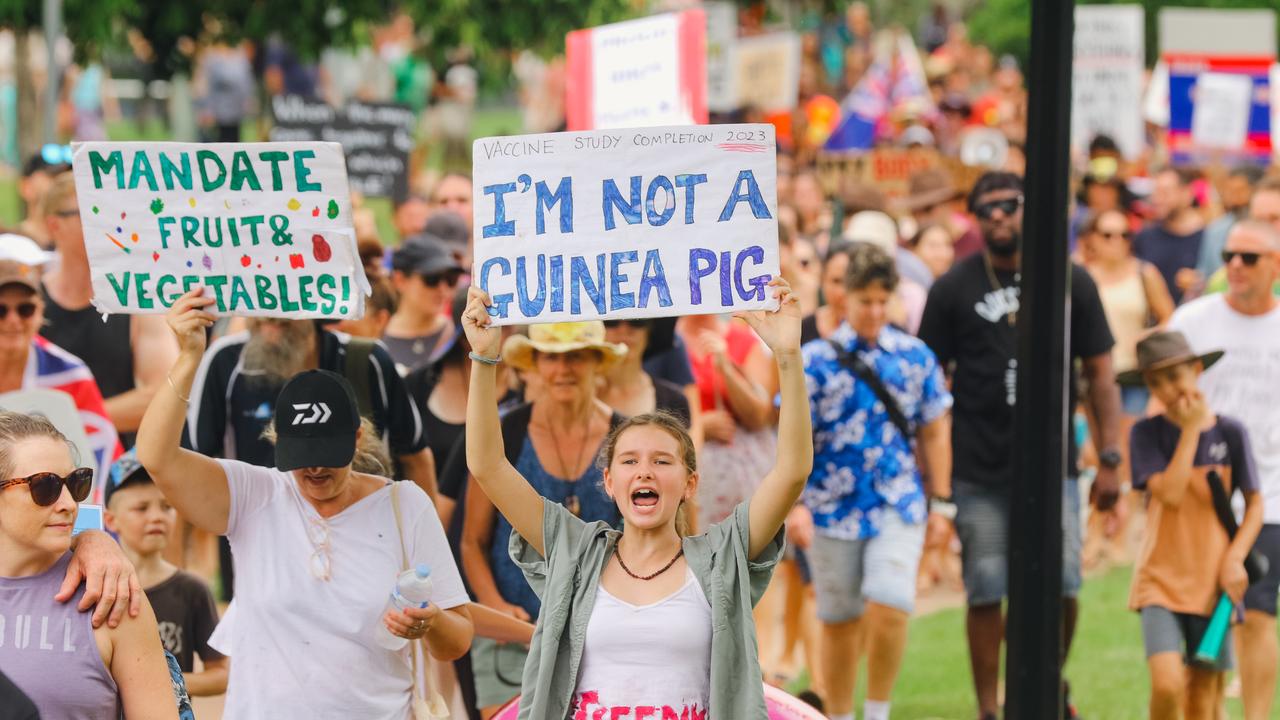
[[413, 589]]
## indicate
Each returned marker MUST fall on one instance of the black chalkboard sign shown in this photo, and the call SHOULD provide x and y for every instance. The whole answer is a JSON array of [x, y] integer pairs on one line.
[[376, 139]]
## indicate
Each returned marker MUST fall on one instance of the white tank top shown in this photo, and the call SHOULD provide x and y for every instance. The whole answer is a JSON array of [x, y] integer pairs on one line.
[[653, 660]]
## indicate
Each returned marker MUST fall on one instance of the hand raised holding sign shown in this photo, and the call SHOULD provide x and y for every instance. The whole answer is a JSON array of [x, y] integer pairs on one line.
[[485, 339], [188, 320], [779, 329]]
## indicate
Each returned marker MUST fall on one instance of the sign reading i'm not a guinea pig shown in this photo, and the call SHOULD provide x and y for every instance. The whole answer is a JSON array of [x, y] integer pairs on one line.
[[265, 228], [636, 223]]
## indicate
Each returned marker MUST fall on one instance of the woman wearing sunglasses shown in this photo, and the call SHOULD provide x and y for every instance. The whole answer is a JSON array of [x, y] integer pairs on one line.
[[28, 362], [51, 650], [317, 547], [645, 619]]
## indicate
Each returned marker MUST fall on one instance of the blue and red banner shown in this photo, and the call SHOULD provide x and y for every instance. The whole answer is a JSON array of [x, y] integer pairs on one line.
[[1184, 71]]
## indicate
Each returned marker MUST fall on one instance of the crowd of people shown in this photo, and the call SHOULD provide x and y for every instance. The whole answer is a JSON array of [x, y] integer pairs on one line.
[[602, 504]]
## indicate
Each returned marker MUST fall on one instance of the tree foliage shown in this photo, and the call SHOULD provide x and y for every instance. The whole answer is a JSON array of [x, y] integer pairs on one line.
[[1005, 25]]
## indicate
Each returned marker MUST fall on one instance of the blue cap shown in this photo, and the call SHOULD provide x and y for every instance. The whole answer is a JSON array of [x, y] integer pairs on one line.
[[422, 570], [124, 471]]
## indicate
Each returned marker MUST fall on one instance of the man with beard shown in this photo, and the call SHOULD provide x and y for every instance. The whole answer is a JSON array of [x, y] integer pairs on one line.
[[234, 394], [970, 322]]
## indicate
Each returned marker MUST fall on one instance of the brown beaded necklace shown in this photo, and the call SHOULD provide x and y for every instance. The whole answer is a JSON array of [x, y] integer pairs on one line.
[[618, 554]]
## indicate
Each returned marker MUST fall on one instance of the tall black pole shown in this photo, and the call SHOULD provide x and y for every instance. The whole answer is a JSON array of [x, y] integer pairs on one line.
[[1033, 674]]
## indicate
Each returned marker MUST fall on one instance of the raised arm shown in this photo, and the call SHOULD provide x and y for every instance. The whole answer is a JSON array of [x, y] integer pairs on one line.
[[780, 330], [192, 483], [514, 497], [154, 351]]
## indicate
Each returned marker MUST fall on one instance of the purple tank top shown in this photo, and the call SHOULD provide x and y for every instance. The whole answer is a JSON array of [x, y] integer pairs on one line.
[[48, 650]]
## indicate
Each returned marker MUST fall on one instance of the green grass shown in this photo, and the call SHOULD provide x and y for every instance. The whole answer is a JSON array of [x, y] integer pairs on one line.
[[1107, 669]]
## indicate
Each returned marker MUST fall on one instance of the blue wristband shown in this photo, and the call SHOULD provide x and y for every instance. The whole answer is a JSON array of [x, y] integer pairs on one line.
[[482, 359]]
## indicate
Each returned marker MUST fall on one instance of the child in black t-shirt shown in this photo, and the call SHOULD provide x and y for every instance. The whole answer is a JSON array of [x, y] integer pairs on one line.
[[143, 520]]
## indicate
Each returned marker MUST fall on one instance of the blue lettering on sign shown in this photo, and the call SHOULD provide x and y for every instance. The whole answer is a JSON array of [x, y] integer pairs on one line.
[[656, 218], [751, 196], [530, 306], [702, 262], [580, 281], [652, 278], [547, 200], [756, 291], [617, 299], [613, 200], [500, 226], [689, 182], [557, 283], [500, 302]]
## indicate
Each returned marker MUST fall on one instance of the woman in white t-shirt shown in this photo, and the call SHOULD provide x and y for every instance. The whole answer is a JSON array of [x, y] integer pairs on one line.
[[648, 622], [317, 548]]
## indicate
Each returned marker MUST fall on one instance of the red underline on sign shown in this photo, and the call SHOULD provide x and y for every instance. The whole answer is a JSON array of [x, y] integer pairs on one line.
[[118, 243], [743, 147]]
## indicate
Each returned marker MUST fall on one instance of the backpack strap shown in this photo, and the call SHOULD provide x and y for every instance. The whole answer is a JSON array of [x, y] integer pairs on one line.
[[863, 372], [355, 368]]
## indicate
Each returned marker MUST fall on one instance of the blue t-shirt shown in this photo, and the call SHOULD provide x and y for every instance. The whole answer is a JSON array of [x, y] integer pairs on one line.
[[1168, 252], [862, 463]]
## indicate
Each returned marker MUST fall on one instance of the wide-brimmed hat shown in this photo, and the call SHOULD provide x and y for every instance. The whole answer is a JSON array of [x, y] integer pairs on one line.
[[562, 338], [928, 187], [873, 227], [1161, 350]]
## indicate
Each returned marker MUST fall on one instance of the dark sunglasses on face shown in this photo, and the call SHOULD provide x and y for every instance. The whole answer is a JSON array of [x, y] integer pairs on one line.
[[24, 310], [1122, 235], [637, 324], [1008, 207], [449, 278], [46, 487], [1248, 258]]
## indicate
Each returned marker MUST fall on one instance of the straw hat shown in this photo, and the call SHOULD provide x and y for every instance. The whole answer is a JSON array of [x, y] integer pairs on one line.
[[562, 337], [1161, 350]]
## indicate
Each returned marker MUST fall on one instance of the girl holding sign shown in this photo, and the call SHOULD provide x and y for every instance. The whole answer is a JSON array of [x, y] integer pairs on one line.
[[628, 617]]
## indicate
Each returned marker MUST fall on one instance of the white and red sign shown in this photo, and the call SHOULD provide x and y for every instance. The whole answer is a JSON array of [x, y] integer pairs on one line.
[[638, 73]]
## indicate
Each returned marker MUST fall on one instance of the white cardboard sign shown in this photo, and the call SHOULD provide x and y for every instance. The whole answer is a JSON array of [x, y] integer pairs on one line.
[[264, 227], [634, 223], [1107, 76]]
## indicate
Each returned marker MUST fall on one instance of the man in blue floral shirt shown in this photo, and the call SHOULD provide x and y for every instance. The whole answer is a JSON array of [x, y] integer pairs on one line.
[[865, 493]]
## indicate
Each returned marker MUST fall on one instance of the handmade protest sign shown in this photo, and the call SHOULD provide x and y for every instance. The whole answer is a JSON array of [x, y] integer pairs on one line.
[[264, 227], [1107, 75], [633, 223], [377, 139]]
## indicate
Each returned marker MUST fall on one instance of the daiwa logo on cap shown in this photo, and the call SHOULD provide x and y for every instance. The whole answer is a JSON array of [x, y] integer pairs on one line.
[[319, 413]]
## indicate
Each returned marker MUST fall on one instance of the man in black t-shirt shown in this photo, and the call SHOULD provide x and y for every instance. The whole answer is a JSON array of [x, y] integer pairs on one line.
[[234, 394], [970, 322]]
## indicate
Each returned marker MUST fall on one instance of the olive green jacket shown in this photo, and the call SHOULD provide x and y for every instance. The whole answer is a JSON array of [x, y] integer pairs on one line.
[[567, 580]]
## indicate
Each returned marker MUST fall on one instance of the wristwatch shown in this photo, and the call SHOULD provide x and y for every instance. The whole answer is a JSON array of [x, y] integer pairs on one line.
[[1110, 458], [944, 507]]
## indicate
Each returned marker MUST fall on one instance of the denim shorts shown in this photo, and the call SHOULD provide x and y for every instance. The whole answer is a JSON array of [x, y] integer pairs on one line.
[[882, 569], [1165, 631], [982, 524]]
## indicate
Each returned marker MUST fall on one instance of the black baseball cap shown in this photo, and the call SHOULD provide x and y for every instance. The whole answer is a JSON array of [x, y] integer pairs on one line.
[[425, 255], [316, 421]]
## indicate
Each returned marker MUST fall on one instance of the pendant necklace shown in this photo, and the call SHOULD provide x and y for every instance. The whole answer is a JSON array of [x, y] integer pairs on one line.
[[618, 554], [1012, 315]]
